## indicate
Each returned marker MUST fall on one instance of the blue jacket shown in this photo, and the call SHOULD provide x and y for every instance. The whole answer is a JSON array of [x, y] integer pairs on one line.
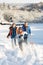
[[13, 32], [28, 30], [23, 28]]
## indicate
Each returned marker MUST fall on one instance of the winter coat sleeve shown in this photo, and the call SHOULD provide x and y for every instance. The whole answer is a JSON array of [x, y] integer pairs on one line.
[[8, 35], [10, 32], [29, 30]]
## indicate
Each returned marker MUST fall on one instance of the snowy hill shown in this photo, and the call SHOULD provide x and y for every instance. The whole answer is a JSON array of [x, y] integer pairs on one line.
[[22, 12]]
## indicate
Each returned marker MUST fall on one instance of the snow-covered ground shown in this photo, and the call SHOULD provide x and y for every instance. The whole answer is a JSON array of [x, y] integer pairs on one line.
[[32, 53]]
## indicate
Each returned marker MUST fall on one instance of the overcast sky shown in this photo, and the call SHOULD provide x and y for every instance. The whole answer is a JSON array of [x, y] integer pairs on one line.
[[20, 1]]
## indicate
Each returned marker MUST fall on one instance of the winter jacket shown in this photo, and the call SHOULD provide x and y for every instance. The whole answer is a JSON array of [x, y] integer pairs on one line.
[[23, 28], [10, 32], [13, 33], [28, 30]]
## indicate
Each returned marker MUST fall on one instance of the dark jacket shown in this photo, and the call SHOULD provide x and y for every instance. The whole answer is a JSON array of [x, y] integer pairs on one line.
[[23, 28], [12, 32], [27, 29]]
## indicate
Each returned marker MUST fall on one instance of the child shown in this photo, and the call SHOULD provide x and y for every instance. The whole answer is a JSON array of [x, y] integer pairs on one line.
[[12, 34], [20, 38]]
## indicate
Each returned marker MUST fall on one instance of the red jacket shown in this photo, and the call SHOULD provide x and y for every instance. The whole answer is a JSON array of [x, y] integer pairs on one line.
[[10, 32]]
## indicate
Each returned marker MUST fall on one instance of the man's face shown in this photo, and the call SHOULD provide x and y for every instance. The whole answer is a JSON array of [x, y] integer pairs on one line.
[[26, 24]]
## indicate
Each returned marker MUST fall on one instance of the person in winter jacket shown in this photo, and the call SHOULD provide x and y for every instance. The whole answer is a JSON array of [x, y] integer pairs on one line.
[[12, 33], [20, 37], [27, 29]]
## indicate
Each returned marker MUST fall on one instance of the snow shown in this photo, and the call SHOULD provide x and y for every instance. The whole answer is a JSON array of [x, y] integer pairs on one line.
[[32, 53]]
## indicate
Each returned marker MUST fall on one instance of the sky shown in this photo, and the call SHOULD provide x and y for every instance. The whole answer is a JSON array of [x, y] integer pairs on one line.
[[21, 1]]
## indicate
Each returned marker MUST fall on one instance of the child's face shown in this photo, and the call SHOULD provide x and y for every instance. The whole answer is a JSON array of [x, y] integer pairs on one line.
[[20, 30], [14, 25]]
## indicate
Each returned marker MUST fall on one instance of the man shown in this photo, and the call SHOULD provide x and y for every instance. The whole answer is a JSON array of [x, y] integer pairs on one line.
[[27, 31]]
